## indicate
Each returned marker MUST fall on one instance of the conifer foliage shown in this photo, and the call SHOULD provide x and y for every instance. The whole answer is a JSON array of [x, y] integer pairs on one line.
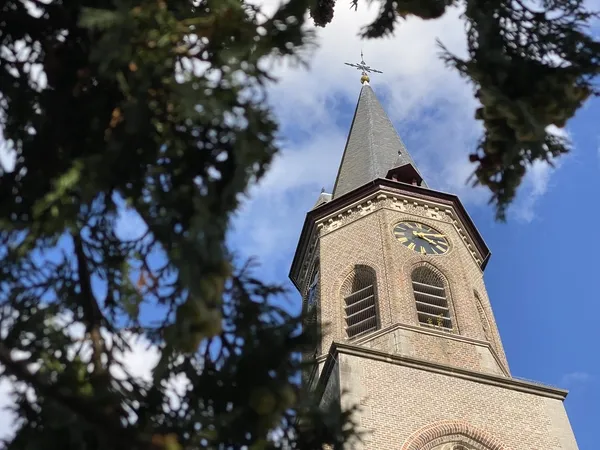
[[532, 64], [135, 126]]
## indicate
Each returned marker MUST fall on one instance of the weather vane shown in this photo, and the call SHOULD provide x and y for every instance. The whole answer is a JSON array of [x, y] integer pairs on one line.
[[366, 70]]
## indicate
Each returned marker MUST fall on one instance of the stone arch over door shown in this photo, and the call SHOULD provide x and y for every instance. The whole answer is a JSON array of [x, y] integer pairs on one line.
[[452, 435]]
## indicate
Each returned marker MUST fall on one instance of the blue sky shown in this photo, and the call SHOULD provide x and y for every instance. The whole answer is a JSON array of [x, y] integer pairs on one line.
[[541, 278], [544, 260]]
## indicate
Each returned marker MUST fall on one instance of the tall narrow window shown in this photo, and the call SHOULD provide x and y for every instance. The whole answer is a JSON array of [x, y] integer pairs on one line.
[[311, 296], [311, 318], [485, 323], [360, 301], [430, 296]]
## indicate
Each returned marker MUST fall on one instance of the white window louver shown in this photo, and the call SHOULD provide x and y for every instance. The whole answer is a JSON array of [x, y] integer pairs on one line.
[[431, 300], [361, 304]]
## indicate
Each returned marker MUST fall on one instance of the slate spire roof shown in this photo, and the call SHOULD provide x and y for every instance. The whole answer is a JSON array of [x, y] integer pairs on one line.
[[373, 146]]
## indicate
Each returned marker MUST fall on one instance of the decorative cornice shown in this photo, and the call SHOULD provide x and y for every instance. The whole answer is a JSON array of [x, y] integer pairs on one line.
[[338, 348], [389, 194], [384, 199]]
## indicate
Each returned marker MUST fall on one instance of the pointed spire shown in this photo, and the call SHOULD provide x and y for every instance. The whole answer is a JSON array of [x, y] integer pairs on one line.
[[373, 147]]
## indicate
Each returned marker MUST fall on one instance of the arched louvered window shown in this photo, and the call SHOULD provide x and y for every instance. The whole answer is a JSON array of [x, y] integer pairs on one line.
[[430, 297], [360, 301]]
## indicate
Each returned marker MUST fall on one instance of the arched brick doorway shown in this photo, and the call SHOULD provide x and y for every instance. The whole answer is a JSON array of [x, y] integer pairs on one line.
[[452, 435]]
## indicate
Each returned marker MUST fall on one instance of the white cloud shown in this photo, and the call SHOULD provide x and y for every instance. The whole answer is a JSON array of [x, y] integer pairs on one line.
[[534, 186], [576, 378], [536, 183], [430, 104], [415, 83], [270, 219]]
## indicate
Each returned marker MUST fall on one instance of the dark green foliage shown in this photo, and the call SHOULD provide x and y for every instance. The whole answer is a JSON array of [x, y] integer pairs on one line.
[[322, 12], [240, 387], [533, 66], [156, 108]]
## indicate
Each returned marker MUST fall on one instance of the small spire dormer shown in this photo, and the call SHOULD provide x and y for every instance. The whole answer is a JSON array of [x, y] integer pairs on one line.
[[405, 173]]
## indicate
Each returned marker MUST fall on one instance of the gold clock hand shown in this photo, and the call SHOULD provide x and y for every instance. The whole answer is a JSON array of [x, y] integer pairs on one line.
[[422, 236], [433, 234], [430, 241]]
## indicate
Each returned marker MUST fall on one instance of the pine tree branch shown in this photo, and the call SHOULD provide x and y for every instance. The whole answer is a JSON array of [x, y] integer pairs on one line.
[[82, 407], [93, 317], [109, 424]]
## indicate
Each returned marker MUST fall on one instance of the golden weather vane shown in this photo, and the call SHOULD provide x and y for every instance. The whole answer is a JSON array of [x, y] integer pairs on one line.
[[366, 70]]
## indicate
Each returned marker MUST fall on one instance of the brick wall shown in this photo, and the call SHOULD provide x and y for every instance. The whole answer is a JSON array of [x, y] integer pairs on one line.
[[397, 401], [366, 238], [405, 406]]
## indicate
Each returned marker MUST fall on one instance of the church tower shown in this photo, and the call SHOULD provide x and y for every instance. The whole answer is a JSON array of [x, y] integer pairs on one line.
[[392, 272]]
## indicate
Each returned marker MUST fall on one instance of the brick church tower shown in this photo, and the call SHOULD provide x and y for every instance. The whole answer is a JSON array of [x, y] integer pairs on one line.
[[393, 272]]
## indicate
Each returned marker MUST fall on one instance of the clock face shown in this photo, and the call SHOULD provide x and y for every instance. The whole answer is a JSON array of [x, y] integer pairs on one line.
[[421, 238]]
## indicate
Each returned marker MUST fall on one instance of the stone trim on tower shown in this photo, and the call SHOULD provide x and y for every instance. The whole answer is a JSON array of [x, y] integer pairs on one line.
[[389, 194], [539, 389]]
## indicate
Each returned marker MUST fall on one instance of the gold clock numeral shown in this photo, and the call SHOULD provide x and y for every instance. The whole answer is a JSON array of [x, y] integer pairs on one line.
[[414, 234]]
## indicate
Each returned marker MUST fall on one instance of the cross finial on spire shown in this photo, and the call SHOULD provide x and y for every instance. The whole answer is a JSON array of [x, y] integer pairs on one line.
[[362, 66]]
